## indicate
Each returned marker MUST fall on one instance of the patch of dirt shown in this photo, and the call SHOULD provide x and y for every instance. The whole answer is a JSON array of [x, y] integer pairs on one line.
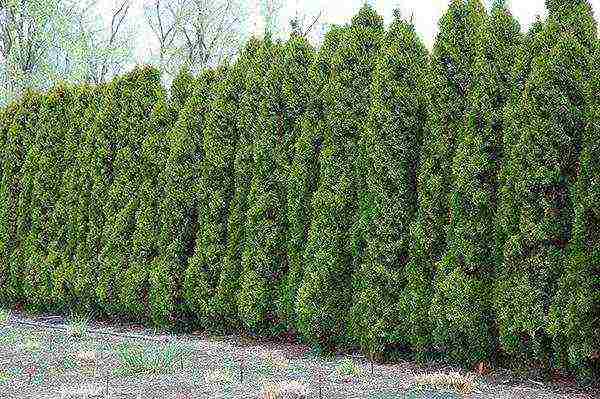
[[39, 359]]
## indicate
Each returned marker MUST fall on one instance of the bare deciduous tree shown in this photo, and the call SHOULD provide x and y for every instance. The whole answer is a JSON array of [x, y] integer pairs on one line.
[[302, 26], [194, 33], [25, 27], [107, 50], [43, 41], [270, 10], [164, 18]]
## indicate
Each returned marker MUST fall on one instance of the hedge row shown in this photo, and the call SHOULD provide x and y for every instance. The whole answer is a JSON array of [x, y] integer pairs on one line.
[[369, 194]]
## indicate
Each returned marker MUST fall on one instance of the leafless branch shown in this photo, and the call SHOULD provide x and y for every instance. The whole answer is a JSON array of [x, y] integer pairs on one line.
[[118, 16], [312, 25]]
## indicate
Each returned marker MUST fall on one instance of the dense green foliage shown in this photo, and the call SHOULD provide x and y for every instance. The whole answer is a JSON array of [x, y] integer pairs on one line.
[[303, 177], [391, 147], [367, 194], [326, 289], [450, 78], [465, 276], [549, 124], [264, 260]]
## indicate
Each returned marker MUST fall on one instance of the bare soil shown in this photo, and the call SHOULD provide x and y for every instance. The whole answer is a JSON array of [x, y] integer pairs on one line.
[[39, 358]]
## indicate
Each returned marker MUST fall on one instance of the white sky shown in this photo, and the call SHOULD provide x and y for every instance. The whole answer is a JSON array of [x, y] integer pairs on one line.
[[426, 15]]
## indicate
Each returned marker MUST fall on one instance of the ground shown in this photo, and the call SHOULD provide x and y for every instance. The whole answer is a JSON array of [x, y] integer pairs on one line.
[[54, 358]]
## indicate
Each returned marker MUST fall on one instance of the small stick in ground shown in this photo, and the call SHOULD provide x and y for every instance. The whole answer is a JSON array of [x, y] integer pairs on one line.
[[319, 374], [242, 364]]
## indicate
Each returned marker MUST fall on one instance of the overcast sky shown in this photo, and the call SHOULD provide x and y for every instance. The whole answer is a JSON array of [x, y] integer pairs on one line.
[[426, 15]]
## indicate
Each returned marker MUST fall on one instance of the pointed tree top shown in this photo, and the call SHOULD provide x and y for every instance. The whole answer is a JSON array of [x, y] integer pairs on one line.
[[367, 17], [499, 4]]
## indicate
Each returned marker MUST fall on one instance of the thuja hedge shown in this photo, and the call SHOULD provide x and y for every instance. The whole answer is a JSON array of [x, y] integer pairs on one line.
[[367, 194]]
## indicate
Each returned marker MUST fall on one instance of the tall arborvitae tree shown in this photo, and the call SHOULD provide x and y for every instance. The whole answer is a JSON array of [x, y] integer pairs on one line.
[[122, 286], [575, 312], [17, 182], [265, 263], [39, 179], [72, 279], [216, 189], [223, 301], [145, 259], [304, 170], [179, 207], [391, 145], [6, 119], [465, 277], [325, 295], [11, 160], [52, 157], [536, 210], [449, 82]]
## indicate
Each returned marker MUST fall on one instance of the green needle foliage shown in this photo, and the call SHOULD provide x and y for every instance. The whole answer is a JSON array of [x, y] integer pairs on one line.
[[216, 189], [367, 195], [325, 295], [178, 209], [576, 306], [260, 54], [391, 144], [72, 278], [121, 288], [304, 172], [182, 89], [461, 309], [264, 262], [451, 77], [43, 179], [540, 177], [17, 184]]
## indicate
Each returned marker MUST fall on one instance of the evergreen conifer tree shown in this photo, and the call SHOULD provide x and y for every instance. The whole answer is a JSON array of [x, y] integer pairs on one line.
[[216, 189], [304, 172], [179, 207], [10, 163], [72, 279], [121, 287], [145, 258], [18, 180], [576, 306], [536, 213], [264, 261], [391, 145], [449, 81], [47, 161], [223, 302], [325, 295], [466, 275]]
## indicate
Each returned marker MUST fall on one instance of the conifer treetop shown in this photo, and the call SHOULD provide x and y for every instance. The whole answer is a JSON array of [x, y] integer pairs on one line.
[[367, 17]]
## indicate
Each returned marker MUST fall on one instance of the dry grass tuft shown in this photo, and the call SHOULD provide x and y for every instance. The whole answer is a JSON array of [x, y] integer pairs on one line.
[[285, 390], [348, 369], [463, 384], [274, 358], [77, 328], [218, 376]]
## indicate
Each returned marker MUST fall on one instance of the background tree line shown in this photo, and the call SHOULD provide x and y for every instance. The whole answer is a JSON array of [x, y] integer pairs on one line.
[[45, 41], [369, 194]]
